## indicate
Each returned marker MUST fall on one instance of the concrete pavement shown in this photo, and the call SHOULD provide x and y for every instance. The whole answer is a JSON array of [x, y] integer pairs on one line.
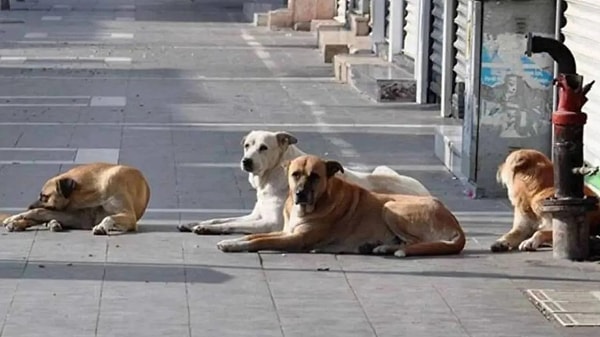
[[171, 86]]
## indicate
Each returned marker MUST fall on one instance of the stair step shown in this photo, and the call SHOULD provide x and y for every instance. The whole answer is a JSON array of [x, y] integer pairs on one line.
[[383, 82]]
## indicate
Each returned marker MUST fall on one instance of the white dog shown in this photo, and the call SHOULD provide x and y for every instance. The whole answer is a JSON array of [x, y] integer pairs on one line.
[[265, 154]]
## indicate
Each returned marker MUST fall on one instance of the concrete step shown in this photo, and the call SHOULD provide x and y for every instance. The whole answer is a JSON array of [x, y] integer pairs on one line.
[[448, 146], [383, 82], [329, 23], [255, 11], [342, 62], [333, 40]]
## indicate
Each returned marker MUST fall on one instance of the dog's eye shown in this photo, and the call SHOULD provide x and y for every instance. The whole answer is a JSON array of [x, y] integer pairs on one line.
[[246, 146], [296, 175], [262, 148], [43, 198]]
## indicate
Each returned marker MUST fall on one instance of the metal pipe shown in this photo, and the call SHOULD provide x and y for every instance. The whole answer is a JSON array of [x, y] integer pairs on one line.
[[569, 205], [556, 49]]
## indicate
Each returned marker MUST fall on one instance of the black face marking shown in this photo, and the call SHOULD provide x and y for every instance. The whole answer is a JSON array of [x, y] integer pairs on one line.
[[262, 148], [44, 198]]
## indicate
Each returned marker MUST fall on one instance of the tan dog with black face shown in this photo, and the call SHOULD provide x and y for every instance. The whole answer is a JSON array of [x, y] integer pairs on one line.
[[324, 213], [99, 196], [528, 175]]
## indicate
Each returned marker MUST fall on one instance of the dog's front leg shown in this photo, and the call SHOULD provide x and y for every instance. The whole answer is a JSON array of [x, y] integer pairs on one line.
[[198, 226], [269, 219], [194, 226], [32, 217], [277, 241], [522, 228], [239, 227]]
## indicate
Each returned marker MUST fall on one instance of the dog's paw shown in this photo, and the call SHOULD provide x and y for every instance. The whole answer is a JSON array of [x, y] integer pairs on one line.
[[499, 246], [12, 219], [400, 253], [186, 228], [54, 226], [230, 246], [12, 227], [99, 230], [530, 244], [17, 225], [385, 250], [208, 230]]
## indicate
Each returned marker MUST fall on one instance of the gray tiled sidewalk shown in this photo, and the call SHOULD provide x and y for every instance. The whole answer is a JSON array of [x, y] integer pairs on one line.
[[193, 88]]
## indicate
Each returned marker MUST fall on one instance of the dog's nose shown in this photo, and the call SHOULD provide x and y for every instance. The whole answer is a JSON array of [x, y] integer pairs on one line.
[[301, 197], [247, 164]]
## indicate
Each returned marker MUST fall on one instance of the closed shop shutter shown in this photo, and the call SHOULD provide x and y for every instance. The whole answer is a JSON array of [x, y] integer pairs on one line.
[[582, 38], [460, 42], [436, 50], [411, 28]]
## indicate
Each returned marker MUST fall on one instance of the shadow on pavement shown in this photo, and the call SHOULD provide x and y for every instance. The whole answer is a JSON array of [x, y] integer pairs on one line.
[[208, 273], [121, 272]]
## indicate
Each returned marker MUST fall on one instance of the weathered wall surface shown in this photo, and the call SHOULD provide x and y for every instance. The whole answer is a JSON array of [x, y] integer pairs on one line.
[[516, 91]]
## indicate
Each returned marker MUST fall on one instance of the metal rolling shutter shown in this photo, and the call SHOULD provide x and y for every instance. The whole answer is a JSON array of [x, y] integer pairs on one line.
[[582, 38], [411, 28], [436, 50], [460, 43]]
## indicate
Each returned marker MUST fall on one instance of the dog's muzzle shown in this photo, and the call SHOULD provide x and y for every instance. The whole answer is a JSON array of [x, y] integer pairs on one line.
[[303, 197], [247, 164], [36, 204]]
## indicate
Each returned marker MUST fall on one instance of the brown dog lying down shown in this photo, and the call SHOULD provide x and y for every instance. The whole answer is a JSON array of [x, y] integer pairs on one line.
[[529, 178], [326, 214], [98, 196]]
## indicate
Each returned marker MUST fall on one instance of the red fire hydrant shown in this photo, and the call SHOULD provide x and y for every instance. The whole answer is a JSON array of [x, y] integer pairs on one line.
[[569, 204]]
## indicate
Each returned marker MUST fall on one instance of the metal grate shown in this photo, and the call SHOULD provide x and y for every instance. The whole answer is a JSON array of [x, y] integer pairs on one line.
[[568, 307]]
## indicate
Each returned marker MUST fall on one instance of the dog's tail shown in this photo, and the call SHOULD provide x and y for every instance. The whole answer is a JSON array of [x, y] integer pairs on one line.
[[405, 184]]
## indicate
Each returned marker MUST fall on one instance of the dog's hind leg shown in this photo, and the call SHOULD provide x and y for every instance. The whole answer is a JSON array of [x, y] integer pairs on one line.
[[543, 236], [124, 222], [430, 248]]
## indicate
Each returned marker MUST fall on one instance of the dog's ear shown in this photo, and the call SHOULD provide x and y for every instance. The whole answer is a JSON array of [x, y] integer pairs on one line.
[[521, 164], [333, 167], [66, 186], [284, 138]]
